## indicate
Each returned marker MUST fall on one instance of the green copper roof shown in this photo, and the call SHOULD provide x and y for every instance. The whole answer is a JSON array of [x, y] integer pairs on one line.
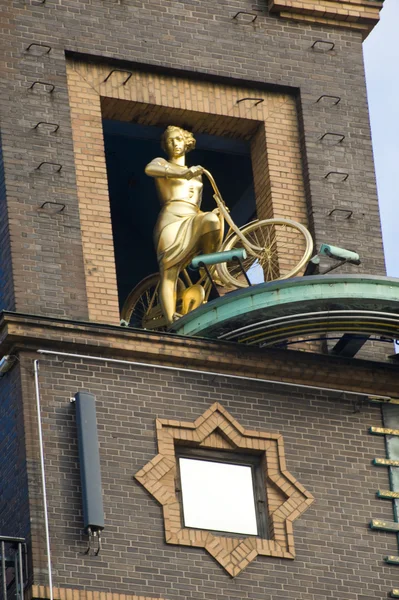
[[270, 312]]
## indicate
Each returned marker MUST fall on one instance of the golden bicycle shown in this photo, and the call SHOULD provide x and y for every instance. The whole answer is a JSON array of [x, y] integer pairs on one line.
[[272, 247]]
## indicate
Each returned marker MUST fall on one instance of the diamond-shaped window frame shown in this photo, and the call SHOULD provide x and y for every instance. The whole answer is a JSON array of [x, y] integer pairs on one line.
[[216, 429]]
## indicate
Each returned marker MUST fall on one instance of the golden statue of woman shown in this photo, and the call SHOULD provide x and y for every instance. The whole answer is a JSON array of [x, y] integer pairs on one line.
[[182, 230]]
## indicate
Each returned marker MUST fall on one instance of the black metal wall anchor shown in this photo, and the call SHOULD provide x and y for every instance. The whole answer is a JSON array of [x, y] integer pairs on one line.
[[256, 100], [54, 164], [243, 271], [48, 48], [119, 71], [49, 203], [54, 125], [45, 84], [320, 46], [337, 99], [37, 2], [339, 137], [244, 12], [205, 267], [348, 212], [344, 175]]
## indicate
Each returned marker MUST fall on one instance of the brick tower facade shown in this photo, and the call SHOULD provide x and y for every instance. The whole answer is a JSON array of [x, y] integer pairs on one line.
[[285, 78]]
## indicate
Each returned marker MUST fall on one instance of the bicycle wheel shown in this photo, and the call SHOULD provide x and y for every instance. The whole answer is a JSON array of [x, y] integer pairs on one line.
[[276, 249], [142, 307]]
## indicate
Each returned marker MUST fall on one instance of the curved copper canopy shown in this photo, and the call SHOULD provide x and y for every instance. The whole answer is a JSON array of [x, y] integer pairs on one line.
[[269, 313]]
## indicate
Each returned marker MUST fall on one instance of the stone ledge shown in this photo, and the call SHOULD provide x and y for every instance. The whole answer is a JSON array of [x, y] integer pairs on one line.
[[31, 333], [354, 14]]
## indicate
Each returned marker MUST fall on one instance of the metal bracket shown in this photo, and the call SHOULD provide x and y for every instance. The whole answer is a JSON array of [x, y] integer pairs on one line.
[[239, 260], [44, 84], [205, 267], [336, 98], [55, 125], [48, 202], [39, 46], [344, 175], [119, 71], [54, 164], [336, 135], [93, 534], [331, 46], [256, 100], [359, 403], [344, 210], [336, 266], [245, 12], [349, 345], [312, 267]]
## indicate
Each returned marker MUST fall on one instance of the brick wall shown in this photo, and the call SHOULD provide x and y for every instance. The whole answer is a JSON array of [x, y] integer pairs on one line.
[[6, 279], [328, 450], [327, 445], [200, 38]]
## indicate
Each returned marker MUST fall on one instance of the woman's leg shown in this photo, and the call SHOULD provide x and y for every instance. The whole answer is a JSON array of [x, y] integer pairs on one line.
[[167, 292], [209, 241], [212, 235]]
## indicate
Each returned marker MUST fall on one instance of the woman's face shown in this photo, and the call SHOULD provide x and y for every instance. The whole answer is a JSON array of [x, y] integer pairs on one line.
[[175, 144]]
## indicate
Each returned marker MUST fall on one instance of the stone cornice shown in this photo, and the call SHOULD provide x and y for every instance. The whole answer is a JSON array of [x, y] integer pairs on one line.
[[19, 333], [362, 15]]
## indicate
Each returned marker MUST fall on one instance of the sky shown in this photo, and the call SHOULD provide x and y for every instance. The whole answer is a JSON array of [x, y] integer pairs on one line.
[[381, 57]]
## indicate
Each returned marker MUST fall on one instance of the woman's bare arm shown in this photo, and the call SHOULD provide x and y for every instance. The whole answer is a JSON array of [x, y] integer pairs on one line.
[[159, 167]]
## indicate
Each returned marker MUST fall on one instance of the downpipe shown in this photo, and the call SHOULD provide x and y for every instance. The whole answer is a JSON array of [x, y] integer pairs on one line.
[[43, 474]]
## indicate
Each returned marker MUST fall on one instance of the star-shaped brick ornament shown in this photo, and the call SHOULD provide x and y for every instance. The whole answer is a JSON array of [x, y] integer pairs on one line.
[[216, 429]]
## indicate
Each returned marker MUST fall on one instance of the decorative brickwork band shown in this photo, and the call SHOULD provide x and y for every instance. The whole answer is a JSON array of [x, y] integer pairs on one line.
[[41, 592], [353, 14], [217, 429]]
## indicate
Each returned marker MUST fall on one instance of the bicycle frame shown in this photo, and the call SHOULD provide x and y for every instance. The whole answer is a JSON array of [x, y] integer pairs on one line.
[[225, 214]]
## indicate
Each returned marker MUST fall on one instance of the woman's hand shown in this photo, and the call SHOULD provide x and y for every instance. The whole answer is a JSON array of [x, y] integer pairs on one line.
[[193, 172], [220, 200]]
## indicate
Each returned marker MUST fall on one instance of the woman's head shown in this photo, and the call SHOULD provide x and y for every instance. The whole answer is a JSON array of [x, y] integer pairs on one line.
[[177, 140]]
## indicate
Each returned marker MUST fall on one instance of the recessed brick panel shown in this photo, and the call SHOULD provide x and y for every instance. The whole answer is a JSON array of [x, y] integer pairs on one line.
[[268, 120]]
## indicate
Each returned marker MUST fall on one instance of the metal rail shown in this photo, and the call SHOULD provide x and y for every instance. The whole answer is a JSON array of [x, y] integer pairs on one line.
[[13, 567]]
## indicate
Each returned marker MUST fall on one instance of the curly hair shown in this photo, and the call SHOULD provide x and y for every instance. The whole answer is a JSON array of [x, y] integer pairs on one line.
[[188, 137]]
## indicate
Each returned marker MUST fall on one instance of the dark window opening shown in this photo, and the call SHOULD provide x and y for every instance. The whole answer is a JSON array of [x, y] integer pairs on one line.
[[134, 202]]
